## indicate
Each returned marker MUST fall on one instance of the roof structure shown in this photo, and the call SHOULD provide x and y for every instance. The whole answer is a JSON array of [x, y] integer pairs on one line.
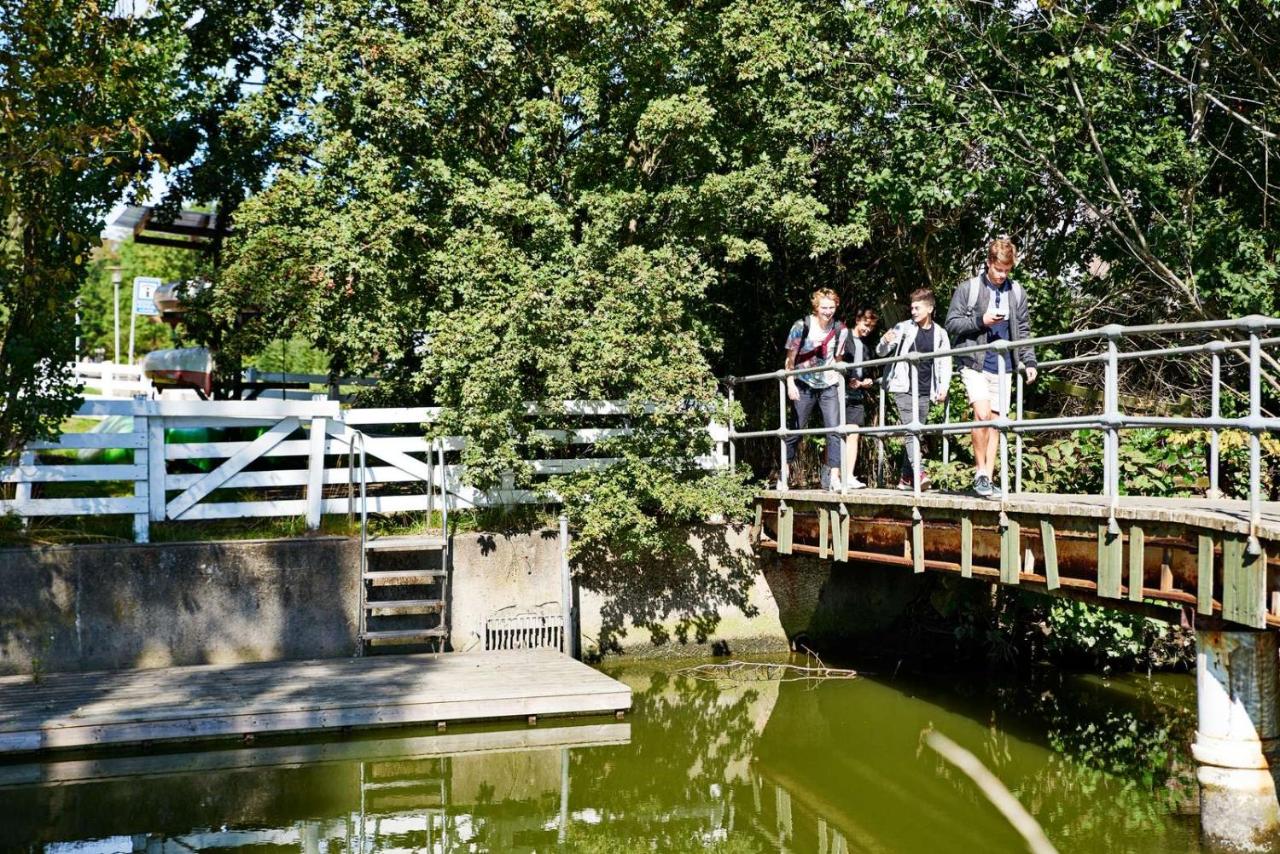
[[196, 230]]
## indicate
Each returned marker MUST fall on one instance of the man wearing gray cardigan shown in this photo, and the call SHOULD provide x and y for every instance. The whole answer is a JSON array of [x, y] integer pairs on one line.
[[984, 309]]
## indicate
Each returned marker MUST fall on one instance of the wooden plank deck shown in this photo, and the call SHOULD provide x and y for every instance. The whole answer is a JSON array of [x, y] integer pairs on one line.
[[216, 701]]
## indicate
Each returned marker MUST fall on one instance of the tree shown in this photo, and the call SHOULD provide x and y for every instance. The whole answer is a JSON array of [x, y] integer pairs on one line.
[[78, 89]]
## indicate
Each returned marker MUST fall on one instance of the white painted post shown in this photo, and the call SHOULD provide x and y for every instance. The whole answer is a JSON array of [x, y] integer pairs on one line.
[[156, 465], [22, 491], [315, 470], [1236, 738], [142, 486], [107, 385]]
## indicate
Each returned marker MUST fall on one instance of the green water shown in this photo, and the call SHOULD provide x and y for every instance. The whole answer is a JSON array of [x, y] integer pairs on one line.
[[737, 767]]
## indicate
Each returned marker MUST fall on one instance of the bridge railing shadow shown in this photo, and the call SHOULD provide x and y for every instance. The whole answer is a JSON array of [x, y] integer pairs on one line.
[[1245, 339]]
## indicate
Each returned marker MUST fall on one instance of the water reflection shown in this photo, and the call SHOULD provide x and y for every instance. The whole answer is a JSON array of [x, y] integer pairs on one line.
[[734, 767]]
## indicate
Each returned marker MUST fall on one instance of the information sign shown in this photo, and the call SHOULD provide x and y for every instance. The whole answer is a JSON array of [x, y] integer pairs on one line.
[[144, 291]]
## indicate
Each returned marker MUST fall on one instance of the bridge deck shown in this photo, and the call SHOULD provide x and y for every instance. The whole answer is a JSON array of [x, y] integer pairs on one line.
[[1223, 514], [1187, 551], [212, 701]]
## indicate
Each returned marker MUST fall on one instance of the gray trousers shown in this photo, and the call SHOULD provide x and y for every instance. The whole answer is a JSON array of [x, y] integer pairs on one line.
[[911, 457]]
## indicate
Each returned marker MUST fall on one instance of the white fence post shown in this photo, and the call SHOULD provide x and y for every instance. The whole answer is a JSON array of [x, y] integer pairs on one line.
[[315, 470], [156, 465], [22, 491], [142, 486]]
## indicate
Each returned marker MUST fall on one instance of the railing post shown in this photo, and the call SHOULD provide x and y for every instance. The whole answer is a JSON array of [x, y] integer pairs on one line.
[[1002, 373], [784, 474], [1215, 406], [880, 462], [733, 451], [1255, 440], [842, 436], [1111, 450], [946, 437], [913, 439], [1017, 439]]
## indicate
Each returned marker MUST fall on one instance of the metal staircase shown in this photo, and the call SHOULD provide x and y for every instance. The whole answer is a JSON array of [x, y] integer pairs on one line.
[[404, 580]]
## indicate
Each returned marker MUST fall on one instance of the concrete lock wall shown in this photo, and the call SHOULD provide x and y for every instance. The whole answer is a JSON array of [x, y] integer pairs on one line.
[[111, 607]]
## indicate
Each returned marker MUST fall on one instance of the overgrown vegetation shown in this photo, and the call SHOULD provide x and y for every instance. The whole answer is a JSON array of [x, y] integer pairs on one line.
[[495, 202]]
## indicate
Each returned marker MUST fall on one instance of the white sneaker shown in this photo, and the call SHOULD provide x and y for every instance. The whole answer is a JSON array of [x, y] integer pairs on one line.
[[833, 481], [854, 483]]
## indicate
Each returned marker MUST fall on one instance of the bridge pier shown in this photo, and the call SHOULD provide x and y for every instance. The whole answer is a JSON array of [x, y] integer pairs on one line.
[[1238, 739]]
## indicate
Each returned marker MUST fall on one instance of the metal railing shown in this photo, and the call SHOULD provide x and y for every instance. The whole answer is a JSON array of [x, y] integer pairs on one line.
[[1112, 420]]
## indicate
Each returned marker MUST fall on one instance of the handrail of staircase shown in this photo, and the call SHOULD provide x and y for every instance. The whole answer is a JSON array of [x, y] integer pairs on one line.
[[1111, 420]]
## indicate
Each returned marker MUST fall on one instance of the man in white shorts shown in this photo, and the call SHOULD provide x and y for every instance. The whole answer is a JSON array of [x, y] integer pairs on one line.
[[987, 308]]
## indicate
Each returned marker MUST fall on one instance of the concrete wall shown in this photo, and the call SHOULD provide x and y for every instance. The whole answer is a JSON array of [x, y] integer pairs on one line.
[[109, 607]]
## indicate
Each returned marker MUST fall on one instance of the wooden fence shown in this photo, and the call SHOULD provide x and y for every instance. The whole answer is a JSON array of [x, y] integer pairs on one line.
[[281, 458]]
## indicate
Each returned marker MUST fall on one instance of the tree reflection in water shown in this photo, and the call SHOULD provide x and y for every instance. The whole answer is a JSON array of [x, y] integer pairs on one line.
[[727, 767]]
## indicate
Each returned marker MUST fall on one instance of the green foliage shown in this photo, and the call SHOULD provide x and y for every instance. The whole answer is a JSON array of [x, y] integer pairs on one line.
[[78, 87], [1075, 632], [97, 318]]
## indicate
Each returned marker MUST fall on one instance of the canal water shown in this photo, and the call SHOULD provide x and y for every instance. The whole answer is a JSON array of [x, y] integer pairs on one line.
[[727, 766]]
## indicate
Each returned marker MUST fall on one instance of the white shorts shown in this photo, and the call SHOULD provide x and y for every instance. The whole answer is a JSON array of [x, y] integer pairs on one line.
[[986, 385]]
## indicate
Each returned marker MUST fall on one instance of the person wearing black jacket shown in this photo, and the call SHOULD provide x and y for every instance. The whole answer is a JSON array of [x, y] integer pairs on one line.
[[857, 398]]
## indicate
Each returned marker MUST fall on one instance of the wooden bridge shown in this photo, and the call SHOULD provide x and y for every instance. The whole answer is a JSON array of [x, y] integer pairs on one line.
[[1189, 552]]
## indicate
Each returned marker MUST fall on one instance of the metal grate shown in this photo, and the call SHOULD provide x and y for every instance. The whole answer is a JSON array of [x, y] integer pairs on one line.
[[524, 631]]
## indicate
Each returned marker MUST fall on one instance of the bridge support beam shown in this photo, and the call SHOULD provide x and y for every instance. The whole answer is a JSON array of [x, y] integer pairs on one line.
[[1238, 738]]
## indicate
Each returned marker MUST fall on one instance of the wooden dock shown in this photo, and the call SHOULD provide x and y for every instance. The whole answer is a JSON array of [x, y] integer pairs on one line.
[[218, 701], [73, 768]]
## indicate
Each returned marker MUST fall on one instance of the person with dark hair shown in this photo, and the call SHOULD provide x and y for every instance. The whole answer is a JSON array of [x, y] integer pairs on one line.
[[932, 375], [857, 399], [812, 342]]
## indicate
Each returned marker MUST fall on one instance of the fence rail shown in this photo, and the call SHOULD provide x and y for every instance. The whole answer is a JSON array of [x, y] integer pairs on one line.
[[302, 448], [1112, 420], [120, 381]]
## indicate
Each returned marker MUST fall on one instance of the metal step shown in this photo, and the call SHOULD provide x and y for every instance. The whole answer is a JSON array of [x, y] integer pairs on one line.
[[404, 576], [412, 543], [420, 783], [404, 635], [403, 606]]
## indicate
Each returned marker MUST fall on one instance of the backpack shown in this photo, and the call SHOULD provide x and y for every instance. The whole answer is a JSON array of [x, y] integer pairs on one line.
[[836, 328], [1016, 294]]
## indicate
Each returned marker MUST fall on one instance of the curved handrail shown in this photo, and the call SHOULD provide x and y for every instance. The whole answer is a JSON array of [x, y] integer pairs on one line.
[[1111, 420]]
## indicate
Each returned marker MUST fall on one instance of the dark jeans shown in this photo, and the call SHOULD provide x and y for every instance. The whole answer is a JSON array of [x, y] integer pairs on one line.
[[904, 417], [828, 403]]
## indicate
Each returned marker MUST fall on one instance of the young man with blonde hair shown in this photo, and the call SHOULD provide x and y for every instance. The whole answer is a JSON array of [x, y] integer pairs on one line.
[[987, 308], [814, 341]]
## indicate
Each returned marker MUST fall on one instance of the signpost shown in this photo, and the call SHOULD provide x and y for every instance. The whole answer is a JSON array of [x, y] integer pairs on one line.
[[144, 292]]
